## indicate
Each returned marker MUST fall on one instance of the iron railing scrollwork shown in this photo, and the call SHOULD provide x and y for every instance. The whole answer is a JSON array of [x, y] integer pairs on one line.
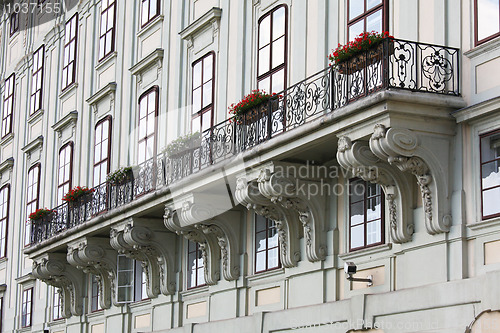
[[393, 64]]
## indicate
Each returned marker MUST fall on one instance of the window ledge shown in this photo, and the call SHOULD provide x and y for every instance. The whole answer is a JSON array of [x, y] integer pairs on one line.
[[140, 303], [25, 278], [476, 111], [25, 329], [488, 46], [57, 322], [195, 292], [6, 165], [148, 61], [68, 120], [212, 16], [267, 275], [33, 118], [108, 89], [6, 139], [492, 222], [149, 26], [37, 143], [2, 262], [364, 252], [66, 91], [106, 60], [95, 314]]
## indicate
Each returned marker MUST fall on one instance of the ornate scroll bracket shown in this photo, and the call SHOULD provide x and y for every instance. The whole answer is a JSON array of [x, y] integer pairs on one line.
[[427, 158], [95, 256], [217, 236], [294, 194], [146, 240], [53, 269], [358, 158], [287, 222]]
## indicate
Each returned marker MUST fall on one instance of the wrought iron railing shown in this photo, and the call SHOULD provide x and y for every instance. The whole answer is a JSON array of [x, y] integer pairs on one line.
[[394, 64]]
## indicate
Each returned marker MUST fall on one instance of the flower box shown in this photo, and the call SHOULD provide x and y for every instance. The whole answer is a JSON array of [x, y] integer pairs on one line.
[[76, 193], [120, 176], [252, 107], [183, 145], [40, 214]]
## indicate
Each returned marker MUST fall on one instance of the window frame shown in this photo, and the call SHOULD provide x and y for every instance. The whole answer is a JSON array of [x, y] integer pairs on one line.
[[4, 223], [95, 297], [140, 289], [384, 6], [74, 51], [197, 251], [210, 107], [273, 70], [34, 76], [8, 96], [13, 23], [267, 249], [150, 18], [27, 227], [104, 35], [68, 182], [478, 42], [156, 91], [24, 301], [481, 163], [365, 222], [107, 160], [56, 305]]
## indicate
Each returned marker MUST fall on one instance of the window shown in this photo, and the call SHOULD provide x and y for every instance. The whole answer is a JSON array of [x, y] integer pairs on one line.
[[95, 298], [27, 307], [69, 58], [56, 305], [271, 67], [266, 245], [131, 280], [14, 22], [107, 37], [148, 110], [37, 80], [149, 10], [487, 20], [490, 174], [196, 271], [4, 218], [33, 190], [8, 105], [203, 93], [65, 170], [366, 214], [102, 150], [366, 15]]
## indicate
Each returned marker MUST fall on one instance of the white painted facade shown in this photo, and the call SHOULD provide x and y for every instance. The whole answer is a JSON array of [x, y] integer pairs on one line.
[[437, 269]]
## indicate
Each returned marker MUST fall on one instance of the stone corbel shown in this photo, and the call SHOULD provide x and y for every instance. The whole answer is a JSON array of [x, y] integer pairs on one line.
[[147, 241], [427, 158], [54, 270], [287, 222], [357, 158], [95, 256], [292, 193]]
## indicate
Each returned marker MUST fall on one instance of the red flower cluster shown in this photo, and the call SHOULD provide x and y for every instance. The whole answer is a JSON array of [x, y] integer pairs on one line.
[[255, 98], [362, 43], [40, 213], [76, 192]]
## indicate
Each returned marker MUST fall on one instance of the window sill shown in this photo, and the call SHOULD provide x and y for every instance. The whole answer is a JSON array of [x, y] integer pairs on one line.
[[195, 292], [3, 261], [140, 303], [266, 276], [25, 329], [33, 118], [7, 139], [149, 26], [66, 91], [57, 322], [364, 252], [485, 47], [483, 224], [106, 60], [95, 314]]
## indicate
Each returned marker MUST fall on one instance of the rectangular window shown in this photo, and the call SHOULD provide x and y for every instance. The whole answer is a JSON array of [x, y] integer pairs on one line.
[[8, 105], [69, 56], [490, 174], [107, 36], [196, 271], [32, 192], [65, 170], [365, 16], [14, 22], [37, 80], [272, 51], [95, 301], [56, 305], [366, 214], [148, 110], [4, 218], [149, 10], [203, 93], [131, 280], [102, 150], [266, 245], [140, 288], [487, 20], [27, 307]]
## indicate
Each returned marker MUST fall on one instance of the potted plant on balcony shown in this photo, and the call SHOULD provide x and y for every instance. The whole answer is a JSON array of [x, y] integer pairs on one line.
[[40, 214], [257, 101], [364, 50], [120, 176], [77, 194], [183, 145]]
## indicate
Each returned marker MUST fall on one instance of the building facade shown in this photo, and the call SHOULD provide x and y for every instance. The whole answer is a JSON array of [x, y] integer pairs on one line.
[[194, 219]]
